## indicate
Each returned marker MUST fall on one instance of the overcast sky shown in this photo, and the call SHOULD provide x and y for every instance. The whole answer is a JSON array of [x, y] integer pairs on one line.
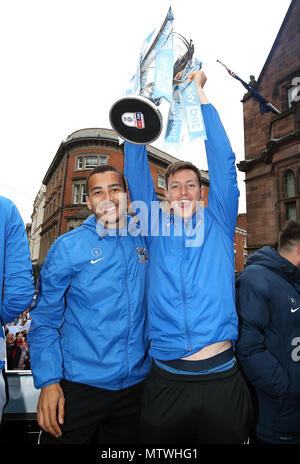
[[64, 63]]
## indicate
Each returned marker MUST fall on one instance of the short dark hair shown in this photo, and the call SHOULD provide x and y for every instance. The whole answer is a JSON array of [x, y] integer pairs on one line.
[[290, 236], [105, 168], [180, 166]]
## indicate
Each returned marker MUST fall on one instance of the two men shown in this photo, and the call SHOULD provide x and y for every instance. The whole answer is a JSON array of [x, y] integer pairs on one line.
[[268, 302], [194, 392], [89, 337], [17, 288]]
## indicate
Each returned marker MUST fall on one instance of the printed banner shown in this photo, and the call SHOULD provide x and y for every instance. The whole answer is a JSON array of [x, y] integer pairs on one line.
[[163, 82], [176, 123]]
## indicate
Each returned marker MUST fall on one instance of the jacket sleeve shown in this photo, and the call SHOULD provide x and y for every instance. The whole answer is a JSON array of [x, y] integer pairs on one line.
[[18, 286], [223, 190], [261, 368], [48, 316], [139, 178]]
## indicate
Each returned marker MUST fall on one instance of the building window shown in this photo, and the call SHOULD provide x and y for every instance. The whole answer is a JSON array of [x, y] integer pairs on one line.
[[289, 178], [79, 162], [90, 161], [291, 211], [161, 183], [103, 159], [79, 193], [76, 193], [83, 194]]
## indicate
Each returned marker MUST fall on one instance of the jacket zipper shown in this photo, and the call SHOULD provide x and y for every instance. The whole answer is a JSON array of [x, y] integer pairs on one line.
[[128, 310], [184, 298]]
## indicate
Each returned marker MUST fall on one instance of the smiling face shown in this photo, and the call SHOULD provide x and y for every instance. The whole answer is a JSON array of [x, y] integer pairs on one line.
[[183, 192], [107, 199]]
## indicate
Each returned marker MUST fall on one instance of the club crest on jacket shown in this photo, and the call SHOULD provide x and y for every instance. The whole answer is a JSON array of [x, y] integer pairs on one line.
[[142, 255]]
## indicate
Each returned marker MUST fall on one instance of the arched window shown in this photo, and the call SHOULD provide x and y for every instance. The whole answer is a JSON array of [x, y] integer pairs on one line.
[[289, 178]]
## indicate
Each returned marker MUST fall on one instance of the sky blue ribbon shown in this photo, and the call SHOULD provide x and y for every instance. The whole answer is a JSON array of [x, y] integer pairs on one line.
[[187, 107], [134, 84], [193, 112], [176, 122], [163, 83]]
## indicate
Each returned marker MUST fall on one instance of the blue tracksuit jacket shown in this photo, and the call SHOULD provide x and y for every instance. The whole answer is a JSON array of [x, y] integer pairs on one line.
[[16, 281], [89, 322], [191, 287]]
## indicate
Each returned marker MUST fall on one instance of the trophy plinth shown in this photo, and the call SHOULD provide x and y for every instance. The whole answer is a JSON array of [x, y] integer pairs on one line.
[[136, 119]]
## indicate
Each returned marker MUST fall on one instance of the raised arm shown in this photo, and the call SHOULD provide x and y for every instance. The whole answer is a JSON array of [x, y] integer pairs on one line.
[[139, 178], [223, 190]]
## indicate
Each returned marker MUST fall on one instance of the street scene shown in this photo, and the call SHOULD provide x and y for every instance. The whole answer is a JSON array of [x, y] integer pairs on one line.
[[150, 226]]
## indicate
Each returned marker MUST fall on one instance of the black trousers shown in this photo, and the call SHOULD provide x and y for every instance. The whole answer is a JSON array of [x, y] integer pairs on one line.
[[97, 416], [199, 409]]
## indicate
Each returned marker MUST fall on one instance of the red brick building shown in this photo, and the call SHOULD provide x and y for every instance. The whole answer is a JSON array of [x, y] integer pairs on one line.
[[272, 142]]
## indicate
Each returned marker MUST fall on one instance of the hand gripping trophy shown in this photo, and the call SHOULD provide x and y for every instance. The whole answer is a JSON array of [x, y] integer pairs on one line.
[[166, 59]]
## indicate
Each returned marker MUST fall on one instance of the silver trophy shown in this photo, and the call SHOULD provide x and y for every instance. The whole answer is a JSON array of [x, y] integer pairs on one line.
[[136, 117]]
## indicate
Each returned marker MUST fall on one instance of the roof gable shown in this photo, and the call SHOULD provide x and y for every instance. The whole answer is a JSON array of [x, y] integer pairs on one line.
[[293, 11]]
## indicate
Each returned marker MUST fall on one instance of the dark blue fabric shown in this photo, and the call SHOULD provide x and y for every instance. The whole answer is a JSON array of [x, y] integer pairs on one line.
[[201, 364], [268, 347]]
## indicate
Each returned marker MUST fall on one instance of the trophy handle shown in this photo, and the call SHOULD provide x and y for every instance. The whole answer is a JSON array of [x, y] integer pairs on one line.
[[182, 62]]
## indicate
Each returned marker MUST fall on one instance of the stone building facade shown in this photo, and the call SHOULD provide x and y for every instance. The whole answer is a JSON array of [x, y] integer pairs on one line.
[[37, 218], [272, 141]]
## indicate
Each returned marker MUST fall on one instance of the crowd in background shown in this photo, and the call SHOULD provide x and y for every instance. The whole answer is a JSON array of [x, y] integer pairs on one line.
[[17, 351]]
